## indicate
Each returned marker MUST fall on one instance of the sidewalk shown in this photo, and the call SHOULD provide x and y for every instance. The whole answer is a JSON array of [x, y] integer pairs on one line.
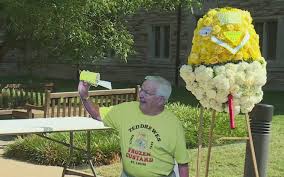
[[14, 168]]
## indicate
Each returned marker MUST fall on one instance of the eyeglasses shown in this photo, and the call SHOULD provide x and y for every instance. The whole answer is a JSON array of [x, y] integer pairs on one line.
[[146, 92]]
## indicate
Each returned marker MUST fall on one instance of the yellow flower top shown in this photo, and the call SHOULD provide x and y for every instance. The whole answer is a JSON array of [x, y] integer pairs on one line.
[[224, 35]]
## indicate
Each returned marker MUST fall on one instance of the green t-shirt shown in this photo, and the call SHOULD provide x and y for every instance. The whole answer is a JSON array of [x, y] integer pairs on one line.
[[149, 144]]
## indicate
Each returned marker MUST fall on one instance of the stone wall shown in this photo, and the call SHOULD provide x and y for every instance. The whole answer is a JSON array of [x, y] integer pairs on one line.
[[258, 8], [142, 64]]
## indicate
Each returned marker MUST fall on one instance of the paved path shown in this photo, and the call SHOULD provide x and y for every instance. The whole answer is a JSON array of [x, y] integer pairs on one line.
[[14, 168]]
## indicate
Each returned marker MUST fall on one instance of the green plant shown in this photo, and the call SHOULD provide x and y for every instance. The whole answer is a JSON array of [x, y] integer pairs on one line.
[[104, 148]]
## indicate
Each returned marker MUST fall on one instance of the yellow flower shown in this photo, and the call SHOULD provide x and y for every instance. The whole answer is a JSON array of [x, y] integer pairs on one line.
[[216, 29], [213, 60], [246, 55], [238, 27], [239, 55], [222, 21], [207, 21], [193, 59], [230, 27]]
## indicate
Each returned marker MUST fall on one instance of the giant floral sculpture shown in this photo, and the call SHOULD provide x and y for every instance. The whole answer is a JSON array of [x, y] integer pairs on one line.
[[225, 65], [225, 70]]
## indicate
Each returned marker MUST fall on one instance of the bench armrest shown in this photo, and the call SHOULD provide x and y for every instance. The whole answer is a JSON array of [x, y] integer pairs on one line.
[[30, 107]]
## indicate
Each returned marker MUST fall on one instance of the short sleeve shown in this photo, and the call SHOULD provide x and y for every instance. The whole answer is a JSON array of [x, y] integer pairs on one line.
[[180, 153], [110, 116]]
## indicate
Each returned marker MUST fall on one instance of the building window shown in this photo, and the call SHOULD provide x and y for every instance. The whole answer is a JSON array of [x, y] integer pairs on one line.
[[267, 31], [159, 41], [271, 39]]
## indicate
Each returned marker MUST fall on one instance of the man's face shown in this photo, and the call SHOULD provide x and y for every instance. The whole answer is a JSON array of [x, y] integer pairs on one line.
[[147, 95]]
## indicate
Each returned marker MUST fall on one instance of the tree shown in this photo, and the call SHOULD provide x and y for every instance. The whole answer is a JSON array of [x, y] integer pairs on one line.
[[78, 30]]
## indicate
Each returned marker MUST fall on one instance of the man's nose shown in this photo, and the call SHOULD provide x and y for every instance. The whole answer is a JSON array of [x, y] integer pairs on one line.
[[141, 94]]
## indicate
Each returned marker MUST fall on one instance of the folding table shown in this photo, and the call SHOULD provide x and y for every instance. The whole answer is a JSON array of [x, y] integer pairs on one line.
[[41, 126]]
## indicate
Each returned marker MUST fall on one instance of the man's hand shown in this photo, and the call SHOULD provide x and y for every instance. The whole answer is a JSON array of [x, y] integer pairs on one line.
[[183, 170], [83, 89]]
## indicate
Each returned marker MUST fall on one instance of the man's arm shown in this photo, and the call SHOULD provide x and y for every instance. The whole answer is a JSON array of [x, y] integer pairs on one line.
[[183, 170], [92, 109]]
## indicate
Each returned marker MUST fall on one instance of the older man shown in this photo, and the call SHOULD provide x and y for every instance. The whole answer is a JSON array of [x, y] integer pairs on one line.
[[151, 137]]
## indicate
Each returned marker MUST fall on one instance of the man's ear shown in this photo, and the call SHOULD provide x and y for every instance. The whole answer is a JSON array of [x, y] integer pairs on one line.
[[161, 100]]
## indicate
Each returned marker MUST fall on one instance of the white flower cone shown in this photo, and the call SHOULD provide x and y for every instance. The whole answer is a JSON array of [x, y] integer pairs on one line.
[[212, 85]]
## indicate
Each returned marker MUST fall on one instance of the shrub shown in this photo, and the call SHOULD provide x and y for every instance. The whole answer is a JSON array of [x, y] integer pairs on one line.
[[189, 116], [104, 148]]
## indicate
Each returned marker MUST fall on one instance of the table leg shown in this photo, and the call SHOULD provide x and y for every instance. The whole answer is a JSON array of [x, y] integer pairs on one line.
[[89, 152], [71, 140]]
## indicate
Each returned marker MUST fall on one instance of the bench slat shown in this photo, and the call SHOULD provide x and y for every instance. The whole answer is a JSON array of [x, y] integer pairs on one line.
[[58, 107], [52, 107], [64, 107], [69, 106]]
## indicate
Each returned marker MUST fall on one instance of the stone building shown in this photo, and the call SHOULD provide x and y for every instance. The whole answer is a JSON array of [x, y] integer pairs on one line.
[[160, 52]]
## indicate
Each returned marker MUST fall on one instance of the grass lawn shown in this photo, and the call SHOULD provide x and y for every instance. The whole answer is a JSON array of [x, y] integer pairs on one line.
[[228, 160]]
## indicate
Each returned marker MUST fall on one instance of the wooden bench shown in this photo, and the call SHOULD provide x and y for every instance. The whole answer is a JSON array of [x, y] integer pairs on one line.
[[17, 95], [68, 104], [13, 114]]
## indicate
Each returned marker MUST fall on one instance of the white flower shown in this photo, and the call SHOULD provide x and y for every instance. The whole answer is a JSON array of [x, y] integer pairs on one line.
[[244, 100], [208, 72], [199, 93], [247, 107], [187, 74], [240, 77], [210, 93], [250, 78], [260, 79], [238, 94], [236, 101], [242, 66], [194, 85], [215, 105], [221, 96], [211, 86], [231, 67], [203, 74], [189, 88], [203, 85], [205, 102], [221, 82], [234, 89], [185, 69], [237, 110], [219, 70], [255, 66]]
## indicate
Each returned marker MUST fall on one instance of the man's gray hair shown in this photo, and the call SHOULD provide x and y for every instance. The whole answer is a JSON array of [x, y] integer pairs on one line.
[[164, 86]]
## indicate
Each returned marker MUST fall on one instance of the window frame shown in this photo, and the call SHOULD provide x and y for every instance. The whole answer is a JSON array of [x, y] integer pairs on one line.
[[151, 42], [265, 37]]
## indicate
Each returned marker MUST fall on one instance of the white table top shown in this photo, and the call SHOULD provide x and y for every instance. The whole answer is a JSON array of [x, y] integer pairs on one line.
[[45, 125]]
